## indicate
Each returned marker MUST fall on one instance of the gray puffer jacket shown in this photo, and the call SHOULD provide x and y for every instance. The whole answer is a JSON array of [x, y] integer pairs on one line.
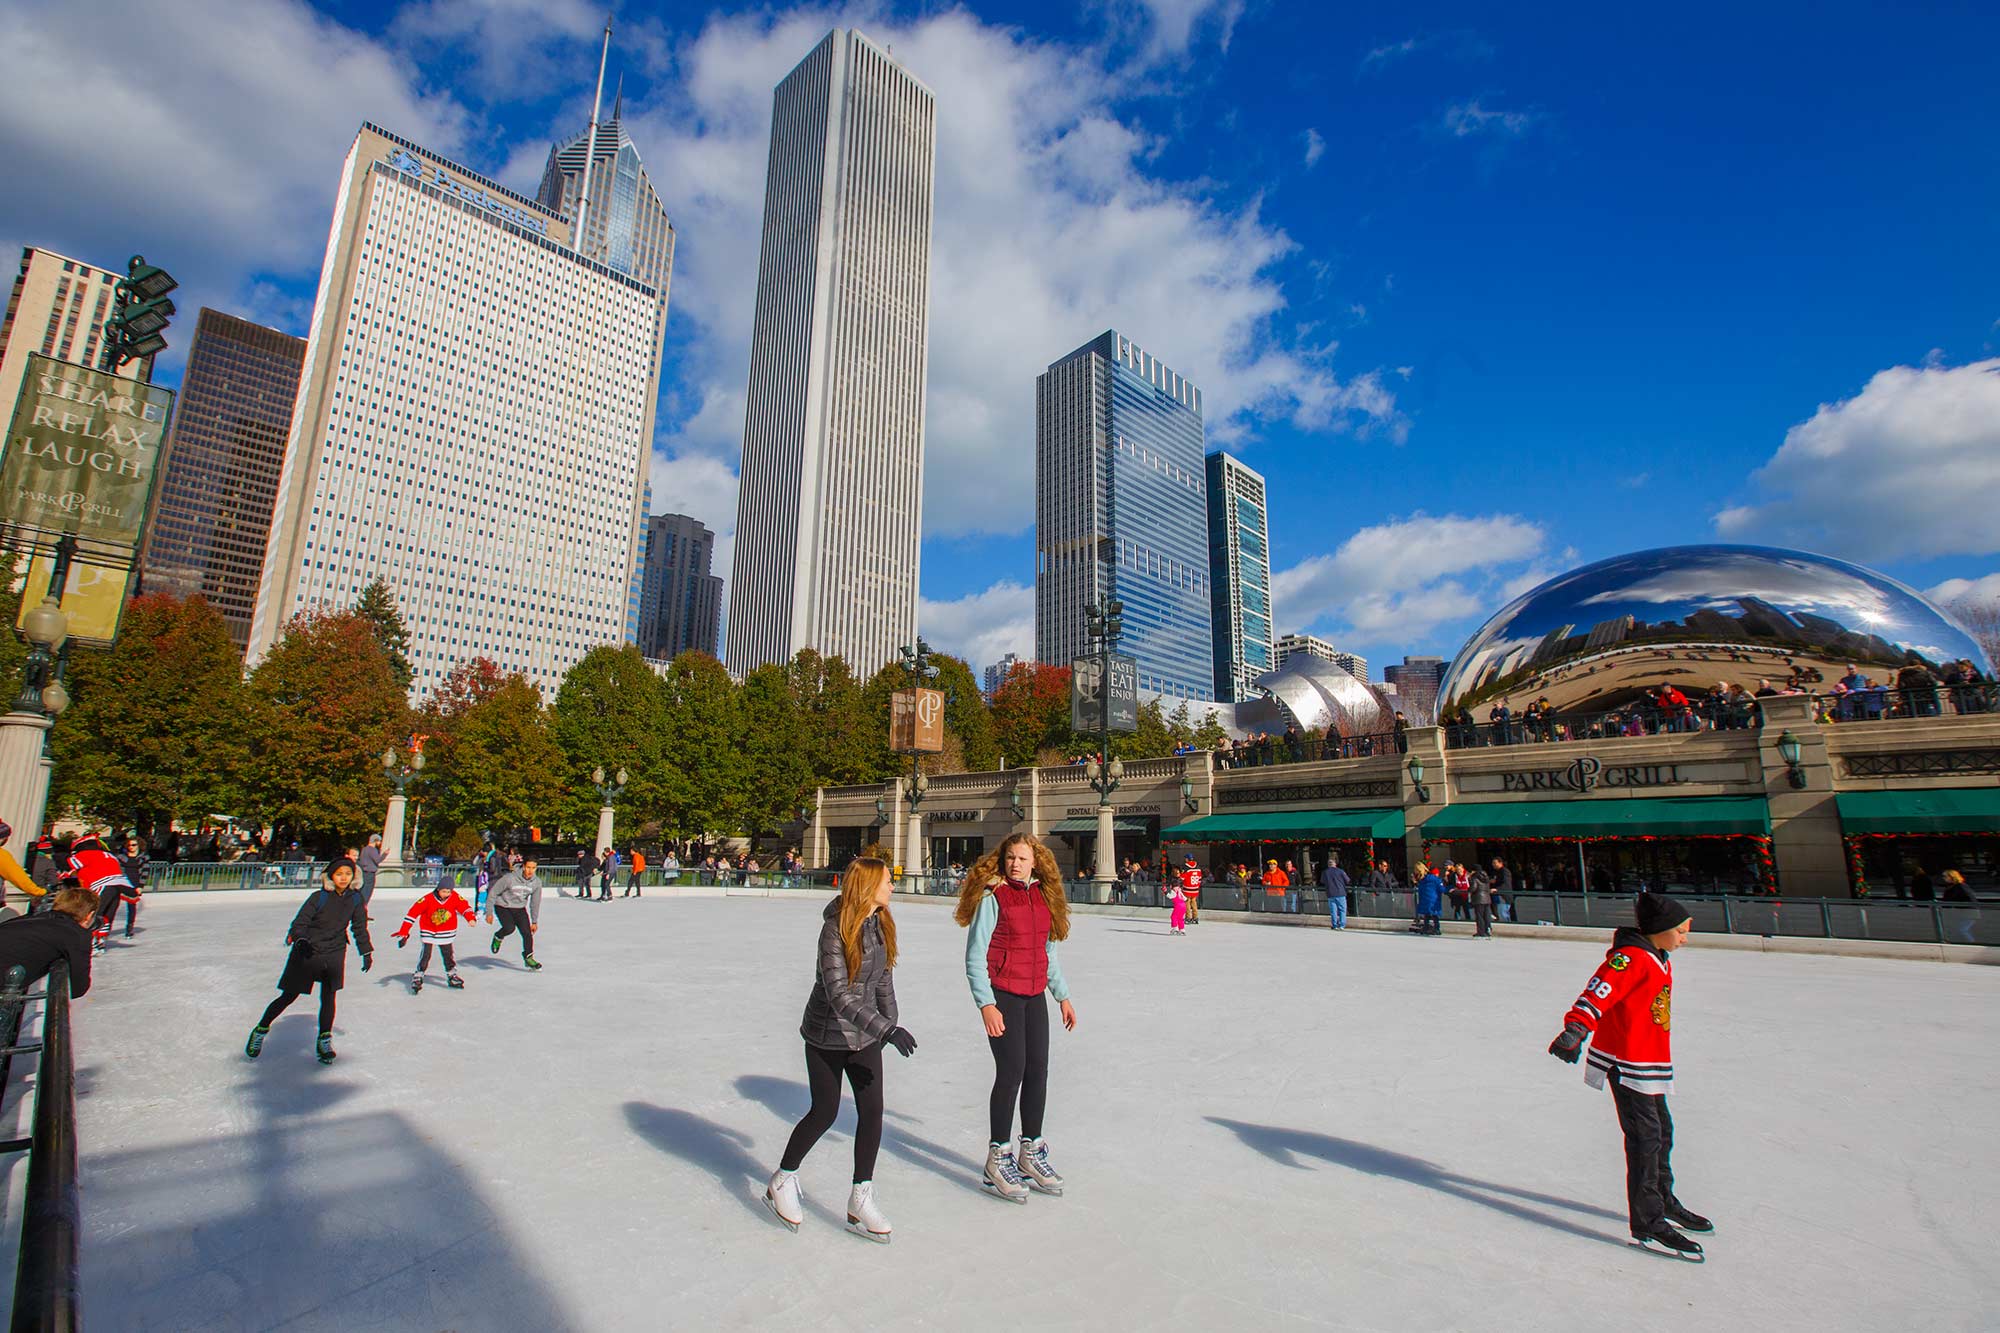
[[850, 1014]]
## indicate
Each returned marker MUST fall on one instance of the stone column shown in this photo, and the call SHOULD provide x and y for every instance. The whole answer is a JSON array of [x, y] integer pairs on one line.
[[1105, 873], [45, 773], [913, 863], [1427, 744], [1805, 822], [604, 818], [23, 778], [392, 832]]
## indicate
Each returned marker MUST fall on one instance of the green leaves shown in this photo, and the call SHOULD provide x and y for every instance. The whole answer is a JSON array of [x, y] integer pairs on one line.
[[377, 606]]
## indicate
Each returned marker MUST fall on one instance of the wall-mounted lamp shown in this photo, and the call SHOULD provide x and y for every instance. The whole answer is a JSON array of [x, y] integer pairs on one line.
[[1417, 780], [1789, 750], [1021, 800], [1187, 794]]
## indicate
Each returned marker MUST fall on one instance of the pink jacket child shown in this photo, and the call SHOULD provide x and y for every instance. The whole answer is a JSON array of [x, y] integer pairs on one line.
[[1179, 895]]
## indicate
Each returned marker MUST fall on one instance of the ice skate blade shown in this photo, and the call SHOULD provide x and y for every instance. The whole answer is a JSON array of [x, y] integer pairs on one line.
[[1040, 1188], [772, 1204], [1654, 1247], [855, 1225], [994, 1190]]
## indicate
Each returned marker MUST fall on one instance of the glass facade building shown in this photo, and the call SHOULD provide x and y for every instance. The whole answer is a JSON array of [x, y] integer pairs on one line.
[[1239, 566], [681, 603], [219, 470], [1121, 510]]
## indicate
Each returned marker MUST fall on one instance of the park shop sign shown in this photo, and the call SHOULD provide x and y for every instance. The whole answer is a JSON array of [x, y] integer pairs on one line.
[[955, 816], [1589, 773]]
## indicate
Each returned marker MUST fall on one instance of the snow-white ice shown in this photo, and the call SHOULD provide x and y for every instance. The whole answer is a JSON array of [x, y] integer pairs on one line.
[[1261, 1128]]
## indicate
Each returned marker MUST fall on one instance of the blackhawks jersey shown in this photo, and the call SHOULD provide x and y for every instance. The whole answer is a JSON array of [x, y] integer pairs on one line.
[[436, 919], [97, 870], [1627, 1007]]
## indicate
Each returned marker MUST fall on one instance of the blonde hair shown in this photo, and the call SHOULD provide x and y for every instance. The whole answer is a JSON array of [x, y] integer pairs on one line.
[[986, 872], [865, 874]]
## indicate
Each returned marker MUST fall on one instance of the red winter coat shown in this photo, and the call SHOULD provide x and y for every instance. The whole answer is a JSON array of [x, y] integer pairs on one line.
[[1627, 1006], [1018, 958], [436, 918], [97, 870]]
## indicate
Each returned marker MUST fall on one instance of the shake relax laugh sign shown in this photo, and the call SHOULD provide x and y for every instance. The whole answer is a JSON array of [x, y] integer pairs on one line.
[[81, 452]]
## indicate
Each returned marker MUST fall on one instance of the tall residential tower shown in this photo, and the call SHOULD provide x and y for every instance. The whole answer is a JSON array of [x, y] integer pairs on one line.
[[56, 307], [1239, 567], [829, 510], [1120, 511], [681, 602]]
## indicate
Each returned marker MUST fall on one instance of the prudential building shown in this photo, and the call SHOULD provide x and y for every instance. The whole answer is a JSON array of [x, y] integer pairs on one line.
[[472, 425]]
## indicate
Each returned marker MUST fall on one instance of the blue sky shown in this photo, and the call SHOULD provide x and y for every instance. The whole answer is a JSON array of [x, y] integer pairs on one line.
[[1482, 295]]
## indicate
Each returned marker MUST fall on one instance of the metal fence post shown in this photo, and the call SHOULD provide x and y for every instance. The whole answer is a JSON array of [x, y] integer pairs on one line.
[[1826, 918], [1557, 899], [1728, 922], [1937, 922]]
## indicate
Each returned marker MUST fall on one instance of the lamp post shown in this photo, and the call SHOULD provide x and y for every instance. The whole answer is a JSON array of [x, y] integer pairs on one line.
[[916, 661], [1105, 621], [609, 791], [401, 771], [24, 777]]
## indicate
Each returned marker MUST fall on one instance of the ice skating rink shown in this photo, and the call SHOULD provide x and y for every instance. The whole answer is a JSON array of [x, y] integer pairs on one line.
[[1262, 1128]]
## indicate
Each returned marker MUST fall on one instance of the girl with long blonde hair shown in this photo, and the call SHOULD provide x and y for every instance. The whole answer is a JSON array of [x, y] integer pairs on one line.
[[1012, 900], [850, 1017]]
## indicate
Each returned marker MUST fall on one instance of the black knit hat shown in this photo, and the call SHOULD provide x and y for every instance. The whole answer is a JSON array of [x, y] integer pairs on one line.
[[338, 862], [1657, 913]]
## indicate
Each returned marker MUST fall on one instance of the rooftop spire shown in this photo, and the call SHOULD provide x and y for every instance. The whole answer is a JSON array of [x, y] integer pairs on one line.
[[618, 101]]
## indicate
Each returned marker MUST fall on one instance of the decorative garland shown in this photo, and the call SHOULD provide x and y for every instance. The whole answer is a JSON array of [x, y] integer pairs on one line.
[[1857, 878], [1760, 844]]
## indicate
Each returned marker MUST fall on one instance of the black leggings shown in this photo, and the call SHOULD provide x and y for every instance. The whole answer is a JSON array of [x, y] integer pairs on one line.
[[514, 919], [1649, 1148], [445, 951], [864, 1074], [284, 1002], [1020, 1064]]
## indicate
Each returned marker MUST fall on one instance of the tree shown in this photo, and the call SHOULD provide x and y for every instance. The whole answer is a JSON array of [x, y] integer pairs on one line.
[[494, 763], [377, 606], [1210, 733], [1982, 620], [1030, 714], [324, 704], [471, 682], [701, 764], [13, 649], [966, 720], [770, 740], [839, 746], [1153, 738], [156, 732], [610, 714]]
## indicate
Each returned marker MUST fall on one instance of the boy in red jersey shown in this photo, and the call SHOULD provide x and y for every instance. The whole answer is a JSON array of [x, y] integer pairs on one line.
[[435, 916], [97, 871], [1626, 1010]]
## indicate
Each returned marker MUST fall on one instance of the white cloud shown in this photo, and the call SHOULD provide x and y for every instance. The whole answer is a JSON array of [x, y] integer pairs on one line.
[[234, 149], [1315, 148], [1909, 467], [1463, 119], [1458, 43], [1979, 592], [1174, 24], [982, 627], [1049, 229], [507, 45], [1397, 580]]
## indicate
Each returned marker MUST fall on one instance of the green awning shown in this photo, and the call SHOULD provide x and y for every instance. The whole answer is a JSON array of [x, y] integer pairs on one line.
[[1088, 824], [1939, 810], [1289, 826], [1656, 816]]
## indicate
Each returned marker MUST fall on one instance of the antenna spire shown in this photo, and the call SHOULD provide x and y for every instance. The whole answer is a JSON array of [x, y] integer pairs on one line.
[[590, 150]]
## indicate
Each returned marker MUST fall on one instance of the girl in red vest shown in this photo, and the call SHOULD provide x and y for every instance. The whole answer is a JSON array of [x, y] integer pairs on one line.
[[1013, 901]]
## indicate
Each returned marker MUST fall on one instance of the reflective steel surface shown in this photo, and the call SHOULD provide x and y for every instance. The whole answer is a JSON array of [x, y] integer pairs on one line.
[[1699, 618], [1316, 694]]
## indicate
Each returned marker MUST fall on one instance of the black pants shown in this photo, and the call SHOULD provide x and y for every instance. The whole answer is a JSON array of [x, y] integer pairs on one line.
[[327, 995], [1020, 1064], [632, 884], [604, 886], [824, 1068], [445, 951], [1482, 916], [1649, 1146], [514, 919]]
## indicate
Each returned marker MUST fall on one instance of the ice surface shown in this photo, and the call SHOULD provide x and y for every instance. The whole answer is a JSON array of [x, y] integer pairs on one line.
[[1262, 1128]]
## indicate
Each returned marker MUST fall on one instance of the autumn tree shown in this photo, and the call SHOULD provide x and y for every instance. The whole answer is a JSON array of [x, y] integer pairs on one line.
[[1030, 713]]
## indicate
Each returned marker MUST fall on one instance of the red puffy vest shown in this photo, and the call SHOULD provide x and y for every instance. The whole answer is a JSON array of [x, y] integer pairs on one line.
[[1017, 960]]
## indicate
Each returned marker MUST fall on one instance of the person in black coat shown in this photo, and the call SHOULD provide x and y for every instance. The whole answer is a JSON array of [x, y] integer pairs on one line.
[[586, 866], [36, 942], [135, 861], [318, 939]]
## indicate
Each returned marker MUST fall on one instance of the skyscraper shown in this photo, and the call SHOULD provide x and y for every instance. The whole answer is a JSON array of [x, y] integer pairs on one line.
[[681, 606], [56, 307], [829, 508], [1120, 511], [1239, 568], [472, 426], [1352, 663], [1416, 681], [996, 675], [219, 471]]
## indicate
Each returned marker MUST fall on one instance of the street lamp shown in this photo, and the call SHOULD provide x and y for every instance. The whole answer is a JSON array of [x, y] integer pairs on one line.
[[47, 629], [609, 791], [1105, 621], [917, 661], [1790, 751], [401, 772], [1417, 779]]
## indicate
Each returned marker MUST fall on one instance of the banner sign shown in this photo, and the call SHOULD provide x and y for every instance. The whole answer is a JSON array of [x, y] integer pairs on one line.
[[1085, 713], [81, 452], [93, 597], [916, 721]]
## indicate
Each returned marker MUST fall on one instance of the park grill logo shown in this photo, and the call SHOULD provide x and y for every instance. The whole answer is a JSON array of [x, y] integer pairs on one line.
[[1589, 773]]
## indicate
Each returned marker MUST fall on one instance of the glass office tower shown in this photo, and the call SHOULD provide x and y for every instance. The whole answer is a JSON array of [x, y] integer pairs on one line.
[[1239, 564]]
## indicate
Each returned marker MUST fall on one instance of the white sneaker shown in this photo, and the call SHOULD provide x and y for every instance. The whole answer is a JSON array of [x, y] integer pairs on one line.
[[1033, 1161], [863, 1217], [1003, 1177], [785, 1199]]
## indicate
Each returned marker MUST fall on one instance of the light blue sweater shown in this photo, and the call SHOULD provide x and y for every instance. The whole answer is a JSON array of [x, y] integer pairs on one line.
[[980, 937]]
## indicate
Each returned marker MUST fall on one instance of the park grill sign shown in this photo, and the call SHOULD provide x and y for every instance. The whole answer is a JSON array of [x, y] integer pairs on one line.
[[1589, 773], [81, 452], [916, 721]]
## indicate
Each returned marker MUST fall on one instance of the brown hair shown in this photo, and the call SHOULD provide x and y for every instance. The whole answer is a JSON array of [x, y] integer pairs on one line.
[[985, 873], [78, 904], [865, 874]]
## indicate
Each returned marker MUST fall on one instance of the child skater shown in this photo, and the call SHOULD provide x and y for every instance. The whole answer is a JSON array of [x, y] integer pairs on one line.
[[318, 939], [436, 915], [517, 899], [1013, 901], [1177, 892], [1626, 1009], [850, 1017]]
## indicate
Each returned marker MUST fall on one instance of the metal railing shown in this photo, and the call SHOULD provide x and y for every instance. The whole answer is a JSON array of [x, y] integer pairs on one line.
[[1703, 714], [1273, 750], [1881, 704], [48, 1275]]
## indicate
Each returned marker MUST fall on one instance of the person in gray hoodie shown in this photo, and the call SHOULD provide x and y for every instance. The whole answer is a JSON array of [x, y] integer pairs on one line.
[[850, 1016], [516, 898]]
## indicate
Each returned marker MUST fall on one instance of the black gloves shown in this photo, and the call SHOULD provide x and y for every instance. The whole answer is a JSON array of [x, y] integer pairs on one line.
[[300, 946], [367, 961], [1569, 1045], [902, 1041], [402, 941]]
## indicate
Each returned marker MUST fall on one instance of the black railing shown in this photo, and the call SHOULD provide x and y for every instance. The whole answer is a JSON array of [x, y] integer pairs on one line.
[[1881, 703], [1265, 751], [48, 1277], [1646, 719]]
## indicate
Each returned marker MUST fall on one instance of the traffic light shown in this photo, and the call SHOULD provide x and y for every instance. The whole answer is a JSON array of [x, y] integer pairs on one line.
[[136, 323]]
